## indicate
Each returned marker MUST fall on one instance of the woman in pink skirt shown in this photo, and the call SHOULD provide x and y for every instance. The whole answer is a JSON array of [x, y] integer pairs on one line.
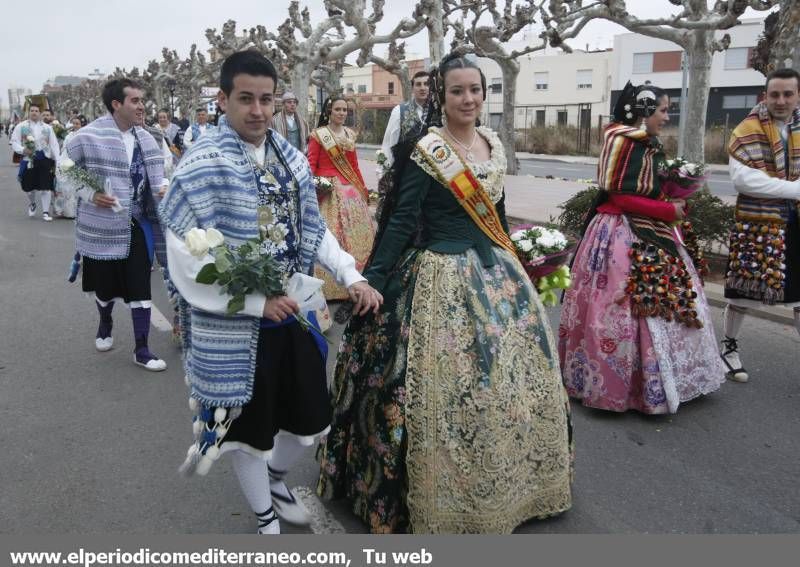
[[635, 329]]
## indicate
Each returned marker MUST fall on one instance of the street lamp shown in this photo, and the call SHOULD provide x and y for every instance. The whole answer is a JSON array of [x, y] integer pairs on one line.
[[171, 84]]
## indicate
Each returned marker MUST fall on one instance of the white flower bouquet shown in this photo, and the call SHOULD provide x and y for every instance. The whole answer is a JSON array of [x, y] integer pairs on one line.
[[323, 184], [245, 270], [85, 178], [544, 254], [681, 178]]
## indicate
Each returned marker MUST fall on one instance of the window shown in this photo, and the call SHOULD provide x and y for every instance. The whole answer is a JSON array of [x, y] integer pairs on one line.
[[737, 58], [495, 119], [496, 86], [730, 102], [584, 78], [561, 117], [540, 118], [349, 86], [642, 63], [674, 105], [391, 87], [666, 61], [362, 89], [540, 79]]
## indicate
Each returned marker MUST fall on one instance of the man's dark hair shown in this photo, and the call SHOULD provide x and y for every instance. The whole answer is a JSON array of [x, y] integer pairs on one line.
[[787, 73], [164, 110], [419, 74], [31, 105], [74, 111], [115, 90], [201, 109], [246, 62]]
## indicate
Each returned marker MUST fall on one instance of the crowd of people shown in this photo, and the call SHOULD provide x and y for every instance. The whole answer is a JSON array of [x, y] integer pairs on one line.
[[449, 407]]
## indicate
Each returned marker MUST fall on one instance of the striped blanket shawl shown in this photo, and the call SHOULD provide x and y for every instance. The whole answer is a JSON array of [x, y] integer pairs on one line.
[[629, 163], [100, 233], [756, 142], [215, 186]]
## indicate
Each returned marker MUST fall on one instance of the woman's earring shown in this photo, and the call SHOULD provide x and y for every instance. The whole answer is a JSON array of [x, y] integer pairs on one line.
[[643, 125]]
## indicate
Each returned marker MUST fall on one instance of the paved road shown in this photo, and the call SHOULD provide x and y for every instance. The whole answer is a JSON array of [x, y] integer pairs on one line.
[[91, 443], [718, 182]]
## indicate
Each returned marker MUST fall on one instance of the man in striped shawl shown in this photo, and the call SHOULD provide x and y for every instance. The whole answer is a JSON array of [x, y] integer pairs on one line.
[[117, 229], [291, 125], [764, 256], [257, 378]]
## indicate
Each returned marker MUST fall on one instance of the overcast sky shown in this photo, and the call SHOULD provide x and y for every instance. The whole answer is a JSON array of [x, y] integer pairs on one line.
[[75, 37]]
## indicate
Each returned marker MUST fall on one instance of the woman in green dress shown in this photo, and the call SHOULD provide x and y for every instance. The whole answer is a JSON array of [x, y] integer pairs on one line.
[[449, 412]]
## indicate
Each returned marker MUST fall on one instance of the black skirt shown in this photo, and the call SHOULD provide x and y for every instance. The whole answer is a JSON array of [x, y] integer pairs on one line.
[[791, 291], [290, 391], [128, 279], [40, 177]]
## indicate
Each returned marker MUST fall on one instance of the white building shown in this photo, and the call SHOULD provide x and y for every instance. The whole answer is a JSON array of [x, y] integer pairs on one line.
[[357, 79], [554, 88], [735, 85]]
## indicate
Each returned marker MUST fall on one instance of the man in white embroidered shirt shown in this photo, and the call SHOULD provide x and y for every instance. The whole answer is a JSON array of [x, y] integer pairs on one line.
[[257, 378], [407, 118], [38, 145], [196, 130]]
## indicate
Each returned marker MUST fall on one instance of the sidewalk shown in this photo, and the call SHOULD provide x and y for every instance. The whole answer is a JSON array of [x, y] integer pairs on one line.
[[536, 199], [713, 168]]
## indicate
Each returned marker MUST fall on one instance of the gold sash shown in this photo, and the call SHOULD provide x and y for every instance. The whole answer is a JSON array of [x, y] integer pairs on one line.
[[328, 142], [455, 174]]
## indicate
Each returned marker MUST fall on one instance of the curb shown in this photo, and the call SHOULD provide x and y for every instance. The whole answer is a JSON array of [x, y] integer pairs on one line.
[[776, 313]]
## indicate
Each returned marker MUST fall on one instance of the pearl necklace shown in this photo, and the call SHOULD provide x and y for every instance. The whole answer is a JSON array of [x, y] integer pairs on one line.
[[467, 149]]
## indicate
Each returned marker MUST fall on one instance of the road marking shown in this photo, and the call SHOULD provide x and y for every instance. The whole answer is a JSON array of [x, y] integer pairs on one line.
[[159, 321], [322, 521]]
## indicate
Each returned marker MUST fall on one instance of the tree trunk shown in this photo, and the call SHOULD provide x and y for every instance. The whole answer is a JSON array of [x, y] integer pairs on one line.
[[405, 83], [301, 78], [785, 51], [436, 32], [507, 132], [700, 56]]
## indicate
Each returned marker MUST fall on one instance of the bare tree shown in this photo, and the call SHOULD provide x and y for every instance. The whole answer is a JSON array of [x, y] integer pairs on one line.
[[779, 45], [692, 28], [492, 41]]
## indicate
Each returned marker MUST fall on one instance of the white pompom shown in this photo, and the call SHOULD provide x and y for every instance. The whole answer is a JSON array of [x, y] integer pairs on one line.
[[221, 431], [204, 465], [186, 380], [193, 450], [219, 415], [197, 428], [194, 405], [212, 452]]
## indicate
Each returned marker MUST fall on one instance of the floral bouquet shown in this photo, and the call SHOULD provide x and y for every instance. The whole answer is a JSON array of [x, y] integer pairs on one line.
[[544, 253], [681, 178], [30, 145], [58, 129], [383, 163], [323, 184], [85, 178], [245, 270]]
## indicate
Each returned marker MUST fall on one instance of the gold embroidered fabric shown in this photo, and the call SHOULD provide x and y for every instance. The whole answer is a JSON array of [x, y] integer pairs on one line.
[[486, 412]]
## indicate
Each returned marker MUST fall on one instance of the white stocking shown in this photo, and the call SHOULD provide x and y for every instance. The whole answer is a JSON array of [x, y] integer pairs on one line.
[[732, 318], [253, 479]]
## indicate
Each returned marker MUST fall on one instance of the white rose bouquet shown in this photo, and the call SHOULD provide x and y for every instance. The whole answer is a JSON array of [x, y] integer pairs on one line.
[[30, 144], [84, 178], [544, 253], [239, 271], [323, 184]]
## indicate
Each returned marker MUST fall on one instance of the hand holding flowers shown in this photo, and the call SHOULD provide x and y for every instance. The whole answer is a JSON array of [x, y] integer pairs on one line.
[[245, 270], [323, 185], [84, 178]]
